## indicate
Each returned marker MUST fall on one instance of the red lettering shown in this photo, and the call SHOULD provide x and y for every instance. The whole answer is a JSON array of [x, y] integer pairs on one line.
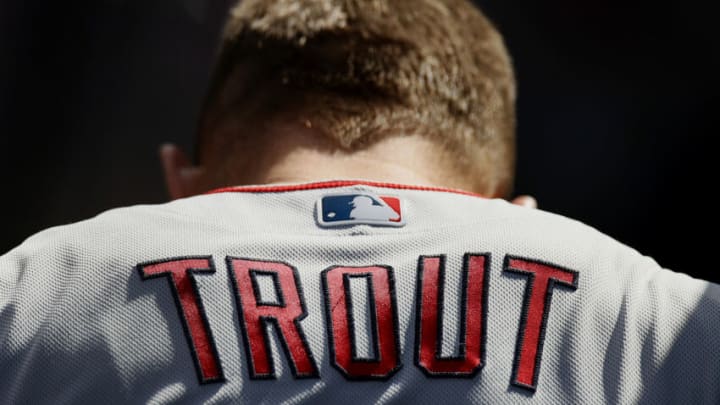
[[382, 299], [429, 317], [542, 278], [285, 316], [284, 312], [180, 272]]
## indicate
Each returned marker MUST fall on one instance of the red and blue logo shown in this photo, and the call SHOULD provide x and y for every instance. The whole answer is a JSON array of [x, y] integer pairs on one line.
[[360, 208]]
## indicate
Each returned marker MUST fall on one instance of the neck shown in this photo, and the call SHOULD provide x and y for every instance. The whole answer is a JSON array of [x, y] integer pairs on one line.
[[403, 160], [300, 155]]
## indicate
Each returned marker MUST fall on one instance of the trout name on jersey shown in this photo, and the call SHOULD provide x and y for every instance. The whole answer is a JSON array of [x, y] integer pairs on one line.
[[287, 310]]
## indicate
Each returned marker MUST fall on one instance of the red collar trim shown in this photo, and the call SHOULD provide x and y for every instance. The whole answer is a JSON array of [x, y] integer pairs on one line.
[[334, 184]]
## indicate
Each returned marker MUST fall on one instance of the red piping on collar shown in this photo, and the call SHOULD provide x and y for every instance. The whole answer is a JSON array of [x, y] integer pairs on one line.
[[334, 184]]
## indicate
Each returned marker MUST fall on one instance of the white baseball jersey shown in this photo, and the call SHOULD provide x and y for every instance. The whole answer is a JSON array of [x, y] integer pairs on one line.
[[348, 291]]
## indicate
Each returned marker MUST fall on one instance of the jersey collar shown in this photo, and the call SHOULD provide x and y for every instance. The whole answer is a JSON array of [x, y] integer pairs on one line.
[[283, 188]]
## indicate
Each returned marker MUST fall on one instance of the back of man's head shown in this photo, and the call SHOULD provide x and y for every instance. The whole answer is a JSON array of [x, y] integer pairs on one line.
[[360, 71]]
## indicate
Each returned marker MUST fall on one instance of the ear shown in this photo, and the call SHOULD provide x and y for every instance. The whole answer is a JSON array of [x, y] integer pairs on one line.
[[526, 201], [182, 178]]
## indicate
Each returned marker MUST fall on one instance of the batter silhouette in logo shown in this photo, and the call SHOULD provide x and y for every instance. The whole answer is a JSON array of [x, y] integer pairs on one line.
[[364, 208], [356, 208]]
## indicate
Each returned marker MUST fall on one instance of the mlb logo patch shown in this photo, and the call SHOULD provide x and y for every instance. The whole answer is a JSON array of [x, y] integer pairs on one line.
[[360, 208]]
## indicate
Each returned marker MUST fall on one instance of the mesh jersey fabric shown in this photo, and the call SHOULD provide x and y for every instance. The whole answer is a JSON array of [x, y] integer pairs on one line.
[[78, 323]]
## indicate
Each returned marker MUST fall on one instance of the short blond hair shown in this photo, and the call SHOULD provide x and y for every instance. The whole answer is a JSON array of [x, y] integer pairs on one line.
[[359, 70]]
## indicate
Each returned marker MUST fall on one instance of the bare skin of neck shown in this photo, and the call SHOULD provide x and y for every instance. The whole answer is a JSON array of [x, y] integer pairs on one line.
[[300, 156], [405, 160]]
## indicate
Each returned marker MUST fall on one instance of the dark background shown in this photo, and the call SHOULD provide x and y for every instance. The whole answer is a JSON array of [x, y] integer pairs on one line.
[[616, 111]]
